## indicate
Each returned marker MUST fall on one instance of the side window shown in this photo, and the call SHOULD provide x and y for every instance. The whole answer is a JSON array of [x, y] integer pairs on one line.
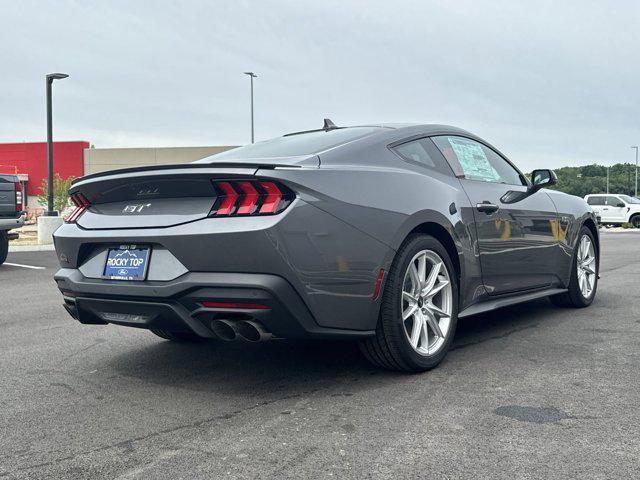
[[422, 152], [477, 161], [613, 201], [595, 200]]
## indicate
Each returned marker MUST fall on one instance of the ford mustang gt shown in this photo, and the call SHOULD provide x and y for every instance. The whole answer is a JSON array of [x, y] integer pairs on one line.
[[382, 234]]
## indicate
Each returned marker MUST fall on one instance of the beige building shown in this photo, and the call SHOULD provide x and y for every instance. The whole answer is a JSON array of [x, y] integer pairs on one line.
[[104, 159]]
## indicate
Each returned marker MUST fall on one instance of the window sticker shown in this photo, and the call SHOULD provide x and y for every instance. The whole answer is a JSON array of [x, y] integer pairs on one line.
[[473, 160]]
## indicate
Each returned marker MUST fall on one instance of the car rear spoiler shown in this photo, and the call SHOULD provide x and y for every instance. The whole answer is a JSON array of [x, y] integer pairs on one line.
[[175, 166]]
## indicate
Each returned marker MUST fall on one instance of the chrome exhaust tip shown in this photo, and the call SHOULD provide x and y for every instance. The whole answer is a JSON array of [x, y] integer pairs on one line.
[[252, 331], [225, 330]]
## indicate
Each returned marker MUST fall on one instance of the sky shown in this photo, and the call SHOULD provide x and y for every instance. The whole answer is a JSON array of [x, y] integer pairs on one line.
[[549, 83]]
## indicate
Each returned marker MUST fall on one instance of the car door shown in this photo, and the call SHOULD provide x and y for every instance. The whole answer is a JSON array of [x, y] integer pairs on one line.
[[517, 231], [614, 211]]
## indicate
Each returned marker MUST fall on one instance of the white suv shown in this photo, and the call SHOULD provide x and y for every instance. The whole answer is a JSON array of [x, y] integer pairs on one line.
[[615, 208]]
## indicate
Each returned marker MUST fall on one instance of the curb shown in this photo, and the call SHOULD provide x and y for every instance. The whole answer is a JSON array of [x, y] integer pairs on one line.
[[31, 248]]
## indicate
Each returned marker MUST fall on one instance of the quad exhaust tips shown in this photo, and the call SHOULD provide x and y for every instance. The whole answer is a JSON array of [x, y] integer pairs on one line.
[[230, 330]]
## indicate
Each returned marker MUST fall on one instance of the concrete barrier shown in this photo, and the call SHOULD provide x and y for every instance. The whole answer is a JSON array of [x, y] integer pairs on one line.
[[46, 227]]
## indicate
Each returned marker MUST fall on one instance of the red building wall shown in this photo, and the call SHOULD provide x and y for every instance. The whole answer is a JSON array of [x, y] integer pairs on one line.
[[31, 158]]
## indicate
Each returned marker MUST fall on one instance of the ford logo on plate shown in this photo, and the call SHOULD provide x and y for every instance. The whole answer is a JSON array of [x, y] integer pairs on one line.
[[123, 272]]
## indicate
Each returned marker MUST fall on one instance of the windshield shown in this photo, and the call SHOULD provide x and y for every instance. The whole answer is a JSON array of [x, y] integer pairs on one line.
[[298, 144], [629, 199]]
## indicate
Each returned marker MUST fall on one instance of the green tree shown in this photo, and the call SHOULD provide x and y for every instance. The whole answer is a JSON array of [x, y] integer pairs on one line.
[[60, 192], [581, 181]]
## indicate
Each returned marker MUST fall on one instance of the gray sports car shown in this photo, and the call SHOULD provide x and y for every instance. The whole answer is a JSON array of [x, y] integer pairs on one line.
[[382, 234]]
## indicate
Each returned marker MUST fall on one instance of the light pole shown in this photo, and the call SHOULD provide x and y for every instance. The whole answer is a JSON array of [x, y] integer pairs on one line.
[[608, 180], [50, 78], [252, 76], [636, 194]]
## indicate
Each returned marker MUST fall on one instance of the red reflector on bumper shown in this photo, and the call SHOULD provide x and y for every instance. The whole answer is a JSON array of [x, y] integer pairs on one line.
[[246, 306], [376, 289]]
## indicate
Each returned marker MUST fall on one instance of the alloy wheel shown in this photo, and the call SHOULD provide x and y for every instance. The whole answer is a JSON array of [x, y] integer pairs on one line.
[[586, 265], [427, 302]]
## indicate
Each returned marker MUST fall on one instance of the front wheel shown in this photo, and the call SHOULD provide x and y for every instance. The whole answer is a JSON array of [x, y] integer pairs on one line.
[[635, 220], [584, 273], [419, 310]]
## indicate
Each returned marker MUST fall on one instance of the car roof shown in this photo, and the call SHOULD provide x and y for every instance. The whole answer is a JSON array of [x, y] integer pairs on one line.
[[403, 129]]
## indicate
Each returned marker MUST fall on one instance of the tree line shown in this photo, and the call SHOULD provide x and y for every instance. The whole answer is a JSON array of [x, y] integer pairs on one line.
[[588, 179]]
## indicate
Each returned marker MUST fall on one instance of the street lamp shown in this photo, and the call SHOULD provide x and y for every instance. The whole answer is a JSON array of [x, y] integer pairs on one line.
[[50, 78], [636, 194], [252, 75]]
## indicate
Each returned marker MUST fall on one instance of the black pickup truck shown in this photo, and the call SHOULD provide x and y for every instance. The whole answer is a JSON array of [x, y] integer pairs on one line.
[[12, 212]]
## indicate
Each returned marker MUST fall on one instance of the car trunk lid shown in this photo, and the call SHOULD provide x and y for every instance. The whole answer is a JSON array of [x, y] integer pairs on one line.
[[160, 196]]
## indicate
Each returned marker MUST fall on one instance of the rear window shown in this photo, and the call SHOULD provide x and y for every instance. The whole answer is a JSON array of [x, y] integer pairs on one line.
[[595, 200], [299, 144]]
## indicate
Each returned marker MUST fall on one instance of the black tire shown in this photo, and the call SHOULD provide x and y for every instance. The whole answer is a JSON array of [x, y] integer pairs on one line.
[[4, 247], [390, 347], [635, 220], [573, 298], [180, 337]]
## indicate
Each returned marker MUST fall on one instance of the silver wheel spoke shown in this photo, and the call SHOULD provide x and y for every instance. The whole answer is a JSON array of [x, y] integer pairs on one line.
[[415, 279], [409, 297], [438, 311], [433, 278], [433, 323], [409, 311], [434, 291], [422, 268], [424, 334], [416, 330]]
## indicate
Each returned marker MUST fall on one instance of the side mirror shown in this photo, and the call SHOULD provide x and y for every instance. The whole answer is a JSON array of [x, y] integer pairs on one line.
[[542, 178], [620, 205]]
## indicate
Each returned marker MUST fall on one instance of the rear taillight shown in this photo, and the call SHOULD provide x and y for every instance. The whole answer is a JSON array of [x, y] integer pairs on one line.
[[81, 203], [18, 188], [250, 197]]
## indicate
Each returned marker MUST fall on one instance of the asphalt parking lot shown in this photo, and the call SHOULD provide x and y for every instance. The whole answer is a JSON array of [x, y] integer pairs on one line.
[[527, 392]]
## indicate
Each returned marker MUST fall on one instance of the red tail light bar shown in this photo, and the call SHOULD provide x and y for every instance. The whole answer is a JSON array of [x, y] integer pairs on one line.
[[250, 197], [81, 203], [19, 200]]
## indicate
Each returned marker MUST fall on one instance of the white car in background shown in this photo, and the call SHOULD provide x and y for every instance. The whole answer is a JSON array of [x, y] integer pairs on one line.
[[615, 209]]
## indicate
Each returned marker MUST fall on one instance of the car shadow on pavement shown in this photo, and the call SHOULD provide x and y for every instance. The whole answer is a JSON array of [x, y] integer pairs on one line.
[[296, 367]]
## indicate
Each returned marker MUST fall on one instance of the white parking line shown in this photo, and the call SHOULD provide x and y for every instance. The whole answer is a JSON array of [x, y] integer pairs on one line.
[[24, 266]]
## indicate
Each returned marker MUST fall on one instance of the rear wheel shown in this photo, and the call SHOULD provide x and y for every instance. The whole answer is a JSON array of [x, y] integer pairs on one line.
[[181, 337], [584, 274], [419, 309], [4, 246]]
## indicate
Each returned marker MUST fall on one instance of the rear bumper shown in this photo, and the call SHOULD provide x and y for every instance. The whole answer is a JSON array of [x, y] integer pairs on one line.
[[7, 223], [177, 305]]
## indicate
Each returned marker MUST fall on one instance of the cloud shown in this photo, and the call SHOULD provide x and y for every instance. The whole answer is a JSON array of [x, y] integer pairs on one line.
[[549, 83]]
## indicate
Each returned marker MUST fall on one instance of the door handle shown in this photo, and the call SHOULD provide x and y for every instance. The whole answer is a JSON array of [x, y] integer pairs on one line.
[[487, 207]]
